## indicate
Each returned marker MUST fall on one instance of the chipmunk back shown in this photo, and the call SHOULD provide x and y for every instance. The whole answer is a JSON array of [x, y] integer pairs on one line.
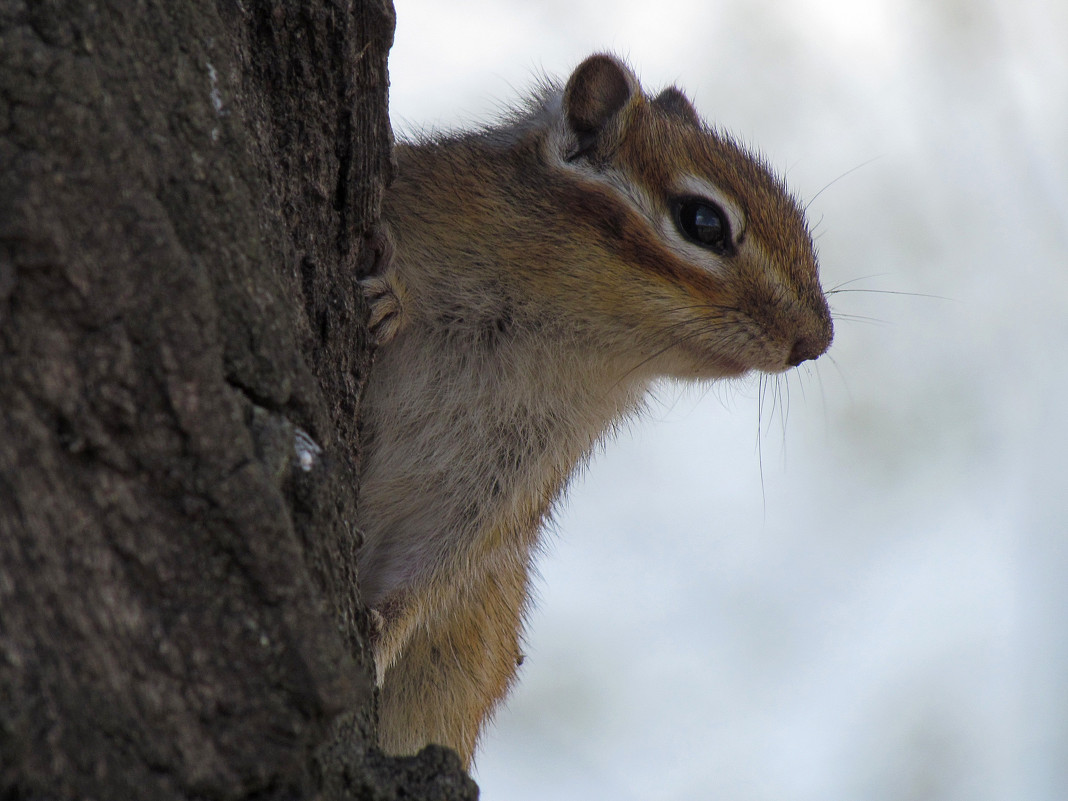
[[544, 273]]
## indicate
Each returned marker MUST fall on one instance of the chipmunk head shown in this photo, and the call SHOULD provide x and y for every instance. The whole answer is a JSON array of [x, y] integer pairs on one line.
[[690, 222]]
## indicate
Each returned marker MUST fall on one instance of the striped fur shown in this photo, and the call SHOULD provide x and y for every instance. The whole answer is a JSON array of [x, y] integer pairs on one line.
[[538, 286]]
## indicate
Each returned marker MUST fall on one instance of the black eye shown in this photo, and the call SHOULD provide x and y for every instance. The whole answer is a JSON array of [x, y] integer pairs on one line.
[[703, 223]]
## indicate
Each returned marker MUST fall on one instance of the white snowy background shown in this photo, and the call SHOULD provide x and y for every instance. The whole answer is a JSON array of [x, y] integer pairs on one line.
[[882, 614]]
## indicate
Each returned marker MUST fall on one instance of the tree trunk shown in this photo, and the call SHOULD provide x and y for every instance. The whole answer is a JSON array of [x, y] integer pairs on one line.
[[188, 192]]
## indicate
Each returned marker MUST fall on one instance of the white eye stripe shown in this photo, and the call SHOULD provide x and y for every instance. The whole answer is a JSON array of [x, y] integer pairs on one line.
[[699, 187], [621, 185], [663, 220]]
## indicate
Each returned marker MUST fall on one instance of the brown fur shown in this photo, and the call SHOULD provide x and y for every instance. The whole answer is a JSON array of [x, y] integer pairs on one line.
[[538, 287]]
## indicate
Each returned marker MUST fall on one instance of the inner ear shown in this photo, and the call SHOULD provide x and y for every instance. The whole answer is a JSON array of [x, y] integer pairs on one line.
[[598, 89]]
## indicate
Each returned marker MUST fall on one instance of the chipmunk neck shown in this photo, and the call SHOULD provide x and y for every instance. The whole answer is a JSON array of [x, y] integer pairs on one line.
[[509, 388]]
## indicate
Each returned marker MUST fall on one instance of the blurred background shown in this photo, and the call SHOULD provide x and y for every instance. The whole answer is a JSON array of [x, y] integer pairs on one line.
[[858, 588]]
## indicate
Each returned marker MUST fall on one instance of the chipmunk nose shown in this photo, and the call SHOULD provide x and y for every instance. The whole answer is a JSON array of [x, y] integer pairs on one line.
[[805, 349]]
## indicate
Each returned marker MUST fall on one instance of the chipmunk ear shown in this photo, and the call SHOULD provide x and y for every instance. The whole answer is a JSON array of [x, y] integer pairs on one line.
[[675, 103], [598, 89]]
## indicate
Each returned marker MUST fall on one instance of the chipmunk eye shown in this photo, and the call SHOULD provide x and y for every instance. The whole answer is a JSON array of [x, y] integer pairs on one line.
[[703, 223]]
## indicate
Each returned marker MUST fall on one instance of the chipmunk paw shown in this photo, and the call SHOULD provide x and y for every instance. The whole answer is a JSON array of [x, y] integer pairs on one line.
[[379, 287], [386, 317]]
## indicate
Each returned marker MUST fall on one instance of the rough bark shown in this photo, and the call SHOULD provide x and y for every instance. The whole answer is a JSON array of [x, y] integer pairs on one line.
[[188, 191]]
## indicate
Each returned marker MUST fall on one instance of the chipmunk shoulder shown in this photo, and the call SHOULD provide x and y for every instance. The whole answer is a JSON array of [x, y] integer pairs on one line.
[[545, 271]]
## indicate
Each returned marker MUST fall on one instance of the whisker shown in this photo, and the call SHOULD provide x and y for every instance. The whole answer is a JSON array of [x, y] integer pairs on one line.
[[774, 402], [823, 399], [887, 292], [762, 385], [706, 327], [782, 390], [801, 384], [786, 411], [812, 199], [703, 307], [842, 375], [859, 318], [837, 287]]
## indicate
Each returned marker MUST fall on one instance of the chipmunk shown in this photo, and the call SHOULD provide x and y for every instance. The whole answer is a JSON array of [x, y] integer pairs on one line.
[[545, 271]]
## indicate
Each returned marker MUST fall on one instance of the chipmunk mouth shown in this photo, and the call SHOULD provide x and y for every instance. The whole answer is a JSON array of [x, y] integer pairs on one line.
[[713, 360], [769, 358], [804, 349], [715, 366], [730, 368]]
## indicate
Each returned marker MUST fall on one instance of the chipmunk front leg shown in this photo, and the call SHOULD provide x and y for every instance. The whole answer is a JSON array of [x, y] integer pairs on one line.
[[453, 671], [393, 622]]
